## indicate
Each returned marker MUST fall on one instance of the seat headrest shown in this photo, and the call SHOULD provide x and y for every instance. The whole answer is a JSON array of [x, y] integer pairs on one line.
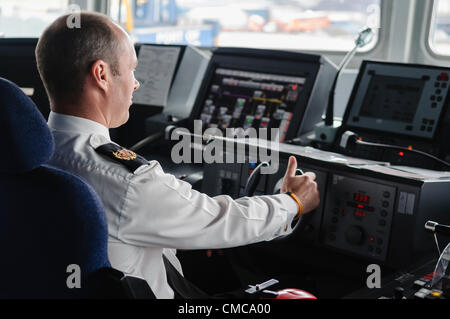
[[25, 138]]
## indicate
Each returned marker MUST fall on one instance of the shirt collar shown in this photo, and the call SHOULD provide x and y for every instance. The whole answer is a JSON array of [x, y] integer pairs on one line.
[[69, 123]]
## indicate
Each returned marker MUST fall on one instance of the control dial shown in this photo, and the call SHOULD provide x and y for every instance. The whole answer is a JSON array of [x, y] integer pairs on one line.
[[354, 235]]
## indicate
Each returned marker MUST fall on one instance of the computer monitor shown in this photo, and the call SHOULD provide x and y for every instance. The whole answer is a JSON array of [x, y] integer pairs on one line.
[[402, 99], [250, 88]]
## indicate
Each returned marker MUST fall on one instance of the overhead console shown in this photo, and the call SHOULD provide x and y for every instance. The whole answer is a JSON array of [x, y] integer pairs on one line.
[[250, 88], [403, 105]]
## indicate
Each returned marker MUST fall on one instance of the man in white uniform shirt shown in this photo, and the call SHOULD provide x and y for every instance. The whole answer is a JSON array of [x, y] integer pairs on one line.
[[88, 73]]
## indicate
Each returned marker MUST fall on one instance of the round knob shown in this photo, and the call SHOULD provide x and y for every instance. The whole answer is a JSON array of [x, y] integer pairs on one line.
[[354, 235]]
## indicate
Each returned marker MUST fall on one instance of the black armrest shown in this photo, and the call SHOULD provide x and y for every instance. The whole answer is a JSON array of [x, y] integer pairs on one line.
[[110, 283]]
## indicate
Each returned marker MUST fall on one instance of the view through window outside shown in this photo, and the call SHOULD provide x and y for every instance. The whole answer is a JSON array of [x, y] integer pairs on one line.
[[28, 18], [440, 29], [271, 24], [330, 25]]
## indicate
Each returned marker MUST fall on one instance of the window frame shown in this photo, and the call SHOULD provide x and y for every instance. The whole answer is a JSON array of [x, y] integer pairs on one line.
[[429, 21]]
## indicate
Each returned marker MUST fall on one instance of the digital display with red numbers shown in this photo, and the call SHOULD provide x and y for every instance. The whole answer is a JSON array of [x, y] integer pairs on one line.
[[358, 197]]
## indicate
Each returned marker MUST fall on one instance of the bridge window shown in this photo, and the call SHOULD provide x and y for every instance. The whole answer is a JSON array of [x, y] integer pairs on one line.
[[328, 25]]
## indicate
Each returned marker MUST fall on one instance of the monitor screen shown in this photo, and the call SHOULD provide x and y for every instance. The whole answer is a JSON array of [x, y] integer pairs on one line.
[[398, 98], [246, 99], [392, 98]]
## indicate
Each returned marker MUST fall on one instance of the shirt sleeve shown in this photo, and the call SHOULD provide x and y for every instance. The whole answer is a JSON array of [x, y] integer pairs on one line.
[[163, 211]]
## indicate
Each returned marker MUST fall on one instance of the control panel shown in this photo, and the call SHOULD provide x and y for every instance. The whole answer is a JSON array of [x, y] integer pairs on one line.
[[363, 213], [414, 282], [358, 216]]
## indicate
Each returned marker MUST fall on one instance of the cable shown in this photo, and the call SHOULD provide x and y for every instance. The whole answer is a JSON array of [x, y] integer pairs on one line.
[[349, 137], [404, 149]]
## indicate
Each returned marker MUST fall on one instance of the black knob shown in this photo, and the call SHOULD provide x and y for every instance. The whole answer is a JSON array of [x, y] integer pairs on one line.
[[398, 292], [354, 235]]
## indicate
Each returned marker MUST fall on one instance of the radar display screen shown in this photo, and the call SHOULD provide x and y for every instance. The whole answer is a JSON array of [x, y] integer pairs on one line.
[[244, 99], [392, 98]]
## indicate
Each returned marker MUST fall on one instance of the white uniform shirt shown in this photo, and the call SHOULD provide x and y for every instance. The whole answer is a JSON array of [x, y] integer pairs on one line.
[[150, 213]]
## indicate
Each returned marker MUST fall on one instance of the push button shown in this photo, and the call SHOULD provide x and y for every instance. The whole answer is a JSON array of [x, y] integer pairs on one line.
[[418, 284]]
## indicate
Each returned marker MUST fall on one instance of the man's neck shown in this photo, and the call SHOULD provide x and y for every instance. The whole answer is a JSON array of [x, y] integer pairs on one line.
[[83, 110]]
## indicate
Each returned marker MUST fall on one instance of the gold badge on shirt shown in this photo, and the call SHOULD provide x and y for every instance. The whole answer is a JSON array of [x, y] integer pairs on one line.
[[125, 154]]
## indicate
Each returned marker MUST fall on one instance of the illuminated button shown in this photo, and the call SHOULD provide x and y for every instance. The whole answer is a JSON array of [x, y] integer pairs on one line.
[[443, 76], [436, 293], [419, 295]]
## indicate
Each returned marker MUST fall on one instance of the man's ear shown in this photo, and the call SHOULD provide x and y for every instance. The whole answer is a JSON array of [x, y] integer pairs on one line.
[[100, 74]]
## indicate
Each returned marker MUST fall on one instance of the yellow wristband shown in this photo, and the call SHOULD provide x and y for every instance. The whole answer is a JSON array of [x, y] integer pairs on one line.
[[299, 203]]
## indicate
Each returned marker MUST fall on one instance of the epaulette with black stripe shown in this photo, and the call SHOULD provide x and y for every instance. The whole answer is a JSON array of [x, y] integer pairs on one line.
[[119, 154]]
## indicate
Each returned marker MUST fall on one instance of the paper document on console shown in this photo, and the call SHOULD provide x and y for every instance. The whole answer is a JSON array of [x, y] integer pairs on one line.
[[154, 72]]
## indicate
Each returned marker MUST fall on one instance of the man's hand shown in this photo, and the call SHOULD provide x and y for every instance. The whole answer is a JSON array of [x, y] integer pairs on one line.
[[304, 186]]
